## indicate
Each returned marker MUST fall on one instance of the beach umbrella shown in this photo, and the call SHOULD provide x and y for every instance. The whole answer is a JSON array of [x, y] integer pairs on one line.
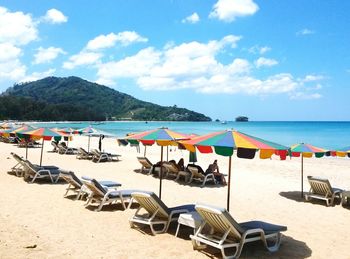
[[343, 152], [305, 150], [162, 137], [89, 131], [225, 142], [14, 132], [44, 134]]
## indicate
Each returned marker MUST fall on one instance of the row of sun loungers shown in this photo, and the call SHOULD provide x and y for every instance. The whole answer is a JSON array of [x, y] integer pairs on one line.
[[217, 228], [189, 176], [95, 155]]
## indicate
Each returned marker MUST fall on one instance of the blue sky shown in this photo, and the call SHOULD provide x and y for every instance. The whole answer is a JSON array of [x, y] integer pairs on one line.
[[268, 60]]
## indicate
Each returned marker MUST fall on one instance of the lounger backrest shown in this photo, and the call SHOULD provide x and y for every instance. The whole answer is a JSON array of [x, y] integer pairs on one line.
[[220, 220], [17, 158], [194, 171], [145, 162], [151, 202], [95, 187], [82, 151], [320, 186], [170, 167], [71, 178], [96, 152]]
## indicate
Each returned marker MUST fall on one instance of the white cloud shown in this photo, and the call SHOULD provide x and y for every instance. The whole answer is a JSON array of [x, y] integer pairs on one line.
[[17, 28], [106, 41], [305, 32], [265, 62], [12, 70], [311, 78], [37, 75], [55, 16], [305, 96], [259, 50], [82, 59], [9, 52], [46, 55], [194, 65], [193, 18], [229, 10]]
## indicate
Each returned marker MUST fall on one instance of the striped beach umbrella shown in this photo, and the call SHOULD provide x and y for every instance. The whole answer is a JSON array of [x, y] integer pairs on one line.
[[88, 131], [343, 152], [19, 130], [44, 134], [162, 137], [306, 150], [225, 142]]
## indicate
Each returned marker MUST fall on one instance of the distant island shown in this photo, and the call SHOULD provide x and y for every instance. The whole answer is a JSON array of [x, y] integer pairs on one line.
[[241, 119], [76, 99]]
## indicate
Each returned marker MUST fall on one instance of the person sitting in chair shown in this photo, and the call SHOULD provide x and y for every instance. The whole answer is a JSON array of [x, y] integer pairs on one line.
[[214, 169]]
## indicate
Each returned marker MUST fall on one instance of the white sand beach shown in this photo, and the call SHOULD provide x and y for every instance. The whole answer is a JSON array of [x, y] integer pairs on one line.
[[37, 222]]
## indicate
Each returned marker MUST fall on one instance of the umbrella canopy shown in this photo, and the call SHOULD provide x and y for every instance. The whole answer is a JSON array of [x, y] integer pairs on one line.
[[19, 130], [305, 150], [161, 136], [225, 142], [44, 134], [90, 131], [342, 152]]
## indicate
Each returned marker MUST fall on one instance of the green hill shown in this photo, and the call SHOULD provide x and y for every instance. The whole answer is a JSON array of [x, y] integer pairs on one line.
[[73, 98]]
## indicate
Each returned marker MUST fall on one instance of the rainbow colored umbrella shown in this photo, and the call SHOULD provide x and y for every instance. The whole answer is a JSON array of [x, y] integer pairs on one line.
[[44, 134], [307, 151], [19, 130], [342, 152], [162, 137], [225, 142], [86, 131]]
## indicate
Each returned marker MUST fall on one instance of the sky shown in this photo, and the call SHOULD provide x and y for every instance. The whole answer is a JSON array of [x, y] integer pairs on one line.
[[268, 60]]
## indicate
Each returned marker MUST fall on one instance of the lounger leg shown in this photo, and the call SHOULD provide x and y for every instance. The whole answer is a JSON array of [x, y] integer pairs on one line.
[[67, 190], [276, 244], [177, 229]]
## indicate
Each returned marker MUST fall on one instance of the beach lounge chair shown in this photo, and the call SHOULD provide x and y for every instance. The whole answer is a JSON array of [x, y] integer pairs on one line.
[[173, 170], [83, 154], [321, 189], [77, 186], [157, 213], [18, 169], [99, 156], [63, 149], [55, 146], [229, 236], [197, 176], [146, 165], [102, 195], [36, 172]]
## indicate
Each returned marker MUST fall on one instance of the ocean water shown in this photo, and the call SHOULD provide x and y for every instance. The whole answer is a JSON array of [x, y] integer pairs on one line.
[[329, 135]]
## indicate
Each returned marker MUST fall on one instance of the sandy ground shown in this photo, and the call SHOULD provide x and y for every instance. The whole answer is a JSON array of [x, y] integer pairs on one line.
[[37, 222]]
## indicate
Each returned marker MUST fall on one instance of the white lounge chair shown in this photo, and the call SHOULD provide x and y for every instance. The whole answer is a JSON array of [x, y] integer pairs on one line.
[[156, 213], [321, 189], [173, 170], [17, 169], [83, 154], [146, 165], [77, 186], [36, 172], [63, 149], [103, 195], [197, 176], [99, 156], [229, 236]]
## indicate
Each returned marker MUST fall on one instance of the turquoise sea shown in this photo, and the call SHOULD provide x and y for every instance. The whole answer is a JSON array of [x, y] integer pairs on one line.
[[330, 135]]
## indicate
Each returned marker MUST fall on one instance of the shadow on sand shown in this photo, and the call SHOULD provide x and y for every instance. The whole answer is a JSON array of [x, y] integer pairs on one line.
[[296, 196]]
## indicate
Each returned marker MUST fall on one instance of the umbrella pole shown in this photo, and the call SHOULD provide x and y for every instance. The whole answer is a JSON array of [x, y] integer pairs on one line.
[[26, 149], [144, 152], [89, 144], [302, 175], [161, 173], [41, 155], [167, 153], [229, 183]]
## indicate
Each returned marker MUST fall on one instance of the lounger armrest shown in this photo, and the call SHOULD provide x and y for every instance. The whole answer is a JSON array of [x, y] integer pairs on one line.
[[253, 231]]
